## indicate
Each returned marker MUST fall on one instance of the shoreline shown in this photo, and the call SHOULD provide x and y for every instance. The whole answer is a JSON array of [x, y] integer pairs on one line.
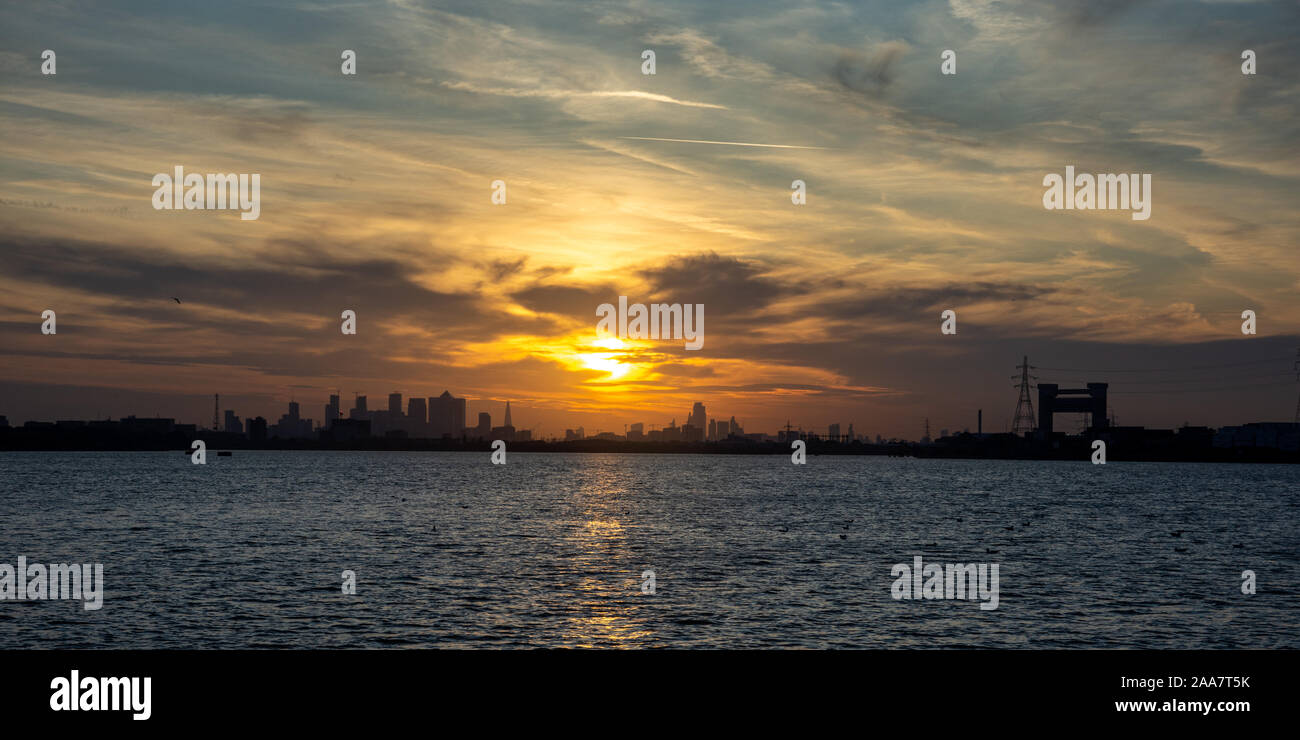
[[1065, 449]]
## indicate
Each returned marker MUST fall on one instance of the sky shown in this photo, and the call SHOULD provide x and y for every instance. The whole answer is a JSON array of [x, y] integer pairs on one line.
[[924, 194]]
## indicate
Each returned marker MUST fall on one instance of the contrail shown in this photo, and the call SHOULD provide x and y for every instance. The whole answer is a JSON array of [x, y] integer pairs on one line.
[[724, 143]]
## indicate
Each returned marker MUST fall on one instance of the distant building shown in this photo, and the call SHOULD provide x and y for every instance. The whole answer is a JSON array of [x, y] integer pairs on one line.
[[447, 417], [382, 421], [1191, 436], [636, 432], [834, 434], [416, 410], [1275, 435], [505, 431], [395, 405], [347, 430], [417, 417], [671, 433], [484, 428], [698, 417], [332, 410], [291, 425], [257, 429], [359, 410], [232, 423], [145, 426]]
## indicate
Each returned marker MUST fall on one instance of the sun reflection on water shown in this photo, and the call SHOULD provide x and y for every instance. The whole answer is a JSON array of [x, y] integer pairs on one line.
[[606, 610]]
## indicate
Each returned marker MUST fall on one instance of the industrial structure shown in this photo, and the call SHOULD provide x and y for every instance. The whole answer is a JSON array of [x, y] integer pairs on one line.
[[1090, 400]]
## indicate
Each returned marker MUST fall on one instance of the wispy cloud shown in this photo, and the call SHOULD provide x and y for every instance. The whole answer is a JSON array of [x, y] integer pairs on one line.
[[722, 143], [923, 194], [565, 94]]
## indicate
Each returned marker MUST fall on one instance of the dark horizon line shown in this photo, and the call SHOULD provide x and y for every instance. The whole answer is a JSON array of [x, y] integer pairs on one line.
[[1253, 442]]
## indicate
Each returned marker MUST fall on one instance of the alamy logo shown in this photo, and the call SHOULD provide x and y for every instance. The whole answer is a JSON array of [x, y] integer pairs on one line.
[[946, 581], [91, 694], [1086, 193], [659, 321], [39, 582], [180, 191]]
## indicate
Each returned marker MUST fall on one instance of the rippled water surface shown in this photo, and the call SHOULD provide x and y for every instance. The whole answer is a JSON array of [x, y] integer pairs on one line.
[[549, 550]]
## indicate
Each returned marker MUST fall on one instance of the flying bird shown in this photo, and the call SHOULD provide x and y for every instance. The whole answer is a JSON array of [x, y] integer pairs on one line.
[[174, 298]]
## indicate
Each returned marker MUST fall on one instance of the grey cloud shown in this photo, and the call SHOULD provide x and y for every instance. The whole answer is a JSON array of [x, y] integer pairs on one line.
[[728, 284], [904, 304], [871, 76], [566, 300]]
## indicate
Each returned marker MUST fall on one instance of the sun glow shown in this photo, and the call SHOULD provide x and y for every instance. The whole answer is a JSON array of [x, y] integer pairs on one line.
[[608, 362], [618, 359]]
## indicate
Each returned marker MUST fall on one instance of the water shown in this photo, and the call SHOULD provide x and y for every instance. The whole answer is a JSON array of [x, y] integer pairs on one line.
[[549, 550]]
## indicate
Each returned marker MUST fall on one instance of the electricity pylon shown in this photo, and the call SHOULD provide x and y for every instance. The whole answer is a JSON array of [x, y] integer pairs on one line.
[[1024, 419]]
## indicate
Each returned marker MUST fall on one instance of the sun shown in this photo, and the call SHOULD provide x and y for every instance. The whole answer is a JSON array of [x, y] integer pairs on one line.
[[607, 362], [617, 359]]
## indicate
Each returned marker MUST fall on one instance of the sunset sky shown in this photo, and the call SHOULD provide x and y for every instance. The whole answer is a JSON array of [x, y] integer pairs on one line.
[[924, 194]]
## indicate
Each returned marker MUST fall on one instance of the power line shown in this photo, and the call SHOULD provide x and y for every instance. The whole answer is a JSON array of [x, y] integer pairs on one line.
[[1166, 369], [1206, 390], [1185, 380]]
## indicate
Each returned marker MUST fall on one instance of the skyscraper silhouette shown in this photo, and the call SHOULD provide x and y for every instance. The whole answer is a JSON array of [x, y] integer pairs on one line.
[[332, 410], [698, 418], [447, 415]]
